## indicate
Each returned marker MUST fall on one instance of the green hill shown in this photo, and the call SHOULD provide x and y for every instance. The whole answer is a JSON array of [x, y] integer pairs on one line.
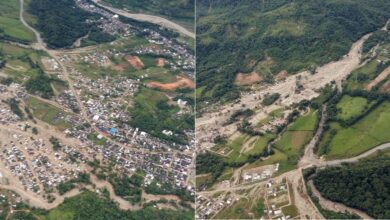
[[271, 36]]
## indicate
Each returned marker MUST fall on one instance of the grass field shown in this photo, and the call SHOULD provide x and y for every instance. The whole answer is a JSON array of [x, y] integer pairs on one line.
[[239, 210], [288, 147], [17, 61], [367, 133], [363, 75], [226, 174], [290, 210], [349, 107], [202, 180], [298, 134], [48, 113], [10, 25], [253, 145]]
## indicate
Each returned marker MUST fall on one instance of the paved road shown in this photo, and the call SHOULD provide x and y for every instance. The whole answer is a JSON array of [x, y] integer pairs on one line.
[[357, 158], [151, 19]]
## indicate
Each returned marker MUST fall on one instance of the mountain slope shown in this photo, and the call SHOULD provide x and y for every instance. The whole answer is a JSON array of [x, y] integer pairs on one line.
[[271, 36]]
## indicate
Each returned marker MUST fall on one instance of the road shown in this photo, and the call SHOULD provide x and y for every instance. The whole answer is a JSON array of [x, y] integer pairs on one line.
[[40, 45], [151, 19]]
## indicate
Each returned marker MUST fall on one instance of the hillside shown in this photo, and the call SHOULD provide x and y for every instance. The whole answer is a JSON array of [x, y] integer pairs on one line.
[[182, 11], [363, 186], [269, 37]]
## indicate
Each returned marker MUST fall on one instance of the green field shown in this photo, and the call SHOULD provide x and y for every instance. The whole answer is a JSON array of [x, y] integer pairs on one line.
[[253, 146], [288, 147], [227, 174], [367, 133], [349, 107], [48, 113], [19, 61], [239, 210], [11, 28], [290, 210], [363, 75], [153, 112], [294, 139]]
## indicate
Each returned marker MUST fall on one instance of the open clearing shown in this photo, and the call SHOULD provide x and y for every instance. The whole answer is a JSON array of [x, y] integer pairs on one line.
[[48, 113], [368, 132], [10, 24], [349, 107], [160, 62], [181, 82], [246, 79], [239, 210], [135, 62]]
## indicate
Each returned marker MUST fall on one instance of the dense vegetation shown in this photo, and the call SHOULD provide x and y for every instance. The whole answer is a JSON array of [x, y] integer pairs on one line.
[[270, 99], [40, 85], [153, 114], [64, 187], [14, 106], [181, 10], [124, 186], [59, 32], [375, 39], [89, 205], [209, 163], [270, 36], [167, 189], [365, 186]]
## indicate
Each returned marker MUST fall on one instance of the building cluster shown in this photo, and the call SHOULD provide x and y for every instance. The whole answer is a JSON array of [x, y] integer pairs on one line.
[[208, 206], [108, 22], [259, 173], [182, 58], [277, 196], [99, 125]]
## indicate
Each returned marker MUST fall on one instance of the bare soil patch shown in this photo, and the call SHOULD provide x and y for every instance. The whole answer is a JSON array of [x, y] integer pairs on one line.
[[282, 75], [245, 79], [181, 82], [118, 67], [160, 62], [382, 76], [135, 62]]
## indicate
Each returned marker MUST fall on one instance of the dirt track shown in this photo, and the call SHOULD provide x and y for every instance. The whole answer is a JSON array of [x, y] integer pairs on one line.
[[382, 76]]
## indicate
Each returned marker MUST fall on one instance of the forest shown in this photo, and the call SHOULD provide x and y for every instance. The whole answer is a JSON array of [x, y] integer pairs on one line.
[[59, 32], [291, 35], [89, 205], [365, 186]]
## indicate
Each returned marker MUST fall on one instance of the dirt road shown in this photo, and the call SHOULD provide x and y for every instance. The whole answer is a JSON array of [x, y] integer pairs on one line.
[[40, 45], [382, 76], [151, 19]]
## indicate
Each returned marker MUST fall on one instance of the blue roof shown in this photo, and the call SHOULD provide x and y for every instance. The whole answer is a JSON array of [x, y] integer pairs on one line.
[[113, 131]]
